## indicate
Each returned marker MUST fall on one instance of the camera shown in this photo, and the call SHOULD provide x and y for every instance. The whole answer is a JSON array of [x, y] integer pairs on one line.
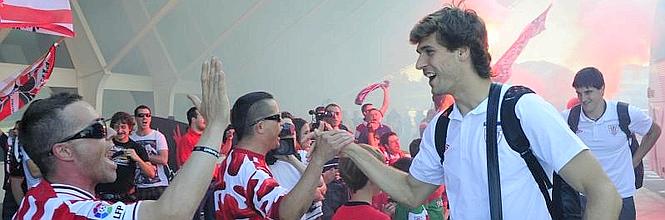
[[318, 114], [287, 141]]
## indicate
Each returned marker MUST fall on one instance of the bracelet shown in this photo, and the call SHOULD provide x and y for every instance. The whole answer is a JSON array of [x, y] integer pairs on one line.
[[207, 150]]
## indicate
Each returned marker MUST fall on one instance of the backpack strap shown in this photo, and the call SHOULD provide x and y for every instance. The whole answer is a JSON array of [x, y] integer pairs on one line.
[[441, 132], [516, 139], [493, 174], [574, 117], [624, 122], [624, 119]]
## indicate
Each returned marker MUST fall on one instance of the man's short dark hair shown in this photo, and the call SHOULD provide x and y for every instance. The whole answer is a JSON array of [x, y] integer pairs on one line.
[[362, 108], [354, 178], [414, 147], [333, 105], [589, 77], [122, 118], [136, 110], [191, 114], [299, 123], [43, 126], [243, 111], [456, 28], [383, 140]]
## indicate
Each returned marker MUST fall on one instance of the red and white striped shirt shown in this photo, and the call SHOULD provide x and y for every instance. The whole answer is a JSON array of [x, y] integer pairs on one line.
[[60, 201]]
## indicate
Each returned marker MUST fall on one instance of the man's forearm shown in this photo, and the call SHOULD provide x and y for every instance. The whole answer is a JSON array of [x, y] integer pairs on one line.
[[603, 202], [392, 181], [161, 158], [146, 168], [648, 141], [188, 188], [296, 202], [17, 190]]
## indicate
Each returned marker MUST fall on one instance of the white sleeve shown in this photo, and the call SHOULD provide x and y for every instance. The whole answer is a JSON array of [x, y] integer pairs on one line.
[[551, 139], [426, 166], [161, 141], [640, 123], [103, 210]]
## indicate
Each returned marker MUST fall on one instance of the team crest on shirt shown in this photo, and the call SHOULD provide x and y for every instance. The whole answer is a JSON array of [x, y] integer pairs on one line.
[[102, 210], [613, 129]]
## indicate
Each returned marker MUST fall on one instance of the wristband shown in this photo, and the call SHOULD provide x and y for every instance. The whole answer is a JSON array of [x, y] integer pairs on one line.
[[207, 150]]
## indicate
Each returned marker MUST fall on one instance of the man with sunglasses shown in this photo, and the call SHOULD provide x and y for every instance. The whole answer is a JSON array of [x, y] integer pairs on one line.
[[154, 142], [130, 158], [71, 145], [248, 189]]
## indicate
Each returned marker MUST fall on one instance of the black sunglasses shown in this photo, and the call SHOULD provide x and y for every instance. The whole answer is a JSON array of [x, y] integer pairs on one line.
[[96, 130], [275, 117], [141, 115]]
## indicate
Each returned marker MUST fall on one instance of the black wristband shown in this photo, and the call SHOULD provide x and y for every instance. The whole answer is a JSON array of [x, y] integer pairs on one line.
[[207, 150]]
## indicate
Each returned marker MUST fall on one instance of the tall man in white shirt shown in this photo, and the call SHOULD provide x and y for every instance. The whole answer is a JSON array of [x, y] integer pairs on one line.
[[598, 126], [452, 44]]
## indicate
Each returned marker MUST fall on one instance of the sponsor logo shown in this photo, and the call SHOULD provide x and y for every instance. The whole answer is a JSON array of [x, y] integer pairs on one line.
[[102, 210]]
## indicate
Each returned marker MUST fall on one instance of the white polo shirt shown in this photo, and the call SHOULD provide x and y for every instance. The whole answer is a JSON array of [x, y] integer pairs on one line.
[[465, 168], [609, 144]]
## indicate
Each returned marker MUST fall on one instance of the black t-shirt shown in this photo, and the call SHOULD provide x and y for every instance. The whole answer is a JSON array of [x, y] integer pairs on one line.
[[126, 171]]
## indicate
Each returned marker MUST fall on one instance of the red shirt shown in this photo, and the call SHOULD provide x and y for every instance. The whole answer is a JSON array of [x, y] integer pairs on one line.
[[185, 146], [354, 210], [60, 201]]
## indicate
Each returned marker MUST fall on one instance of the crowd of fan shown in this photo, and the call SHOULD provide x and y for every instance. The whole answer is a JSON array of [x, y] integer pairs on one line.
[[141, 154]]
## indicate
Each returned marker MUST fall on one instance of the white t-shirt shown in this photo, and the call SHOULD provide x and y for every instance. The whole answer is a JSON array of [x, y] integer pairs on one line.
[[23, 157], [465, 168], [609, 144], [153, 143], [287, 176]]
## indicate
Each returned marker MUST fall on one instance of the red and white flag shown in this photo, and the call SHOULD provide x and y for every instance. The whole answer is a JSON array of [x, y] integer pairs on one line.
[[20, 88], [502, 68], [42, 16], [360, 98]]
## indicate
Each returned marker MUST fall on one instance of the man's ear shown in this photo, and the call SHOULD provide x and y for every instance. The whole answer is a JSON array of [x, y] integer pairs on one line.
[[463, 53], [63, 151]]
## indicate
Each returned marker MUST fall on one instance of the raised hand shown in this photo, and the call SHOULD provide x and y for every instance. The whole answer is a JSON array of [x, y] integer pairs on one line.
[[329, 144], [215, 107]]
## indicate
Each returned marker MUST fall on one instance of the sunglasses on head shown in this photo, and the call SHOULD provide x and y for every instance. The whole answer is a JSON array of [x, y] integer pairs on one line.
[[143, 115], [96, 130], [276, 117]]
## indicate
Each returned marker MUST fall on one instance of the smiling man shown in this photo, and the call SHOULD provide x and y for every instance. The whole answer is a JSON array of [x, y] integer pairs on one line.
[[129, 156], [599, 125], [453, 54]]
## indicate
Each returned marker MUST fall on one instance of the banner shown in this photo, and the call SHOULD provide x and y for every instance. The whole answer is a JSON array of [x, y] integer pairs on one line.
[[19, 89], [41, 16], [502, 68]]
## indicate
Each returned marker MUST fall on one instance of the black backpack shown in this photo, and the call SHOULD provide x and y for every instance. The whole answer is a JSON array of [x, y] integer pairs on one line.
[[624, 121], [564, 203]]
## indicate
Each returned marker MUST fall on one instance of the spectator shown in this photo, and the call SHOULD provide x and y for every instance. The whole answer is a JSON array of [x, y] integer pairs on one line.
[[335, 118], [71, 145], [403, 211], [389, 147], [256, 119], [374, 129], [154, 142], [362, 190], [130, 158]]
